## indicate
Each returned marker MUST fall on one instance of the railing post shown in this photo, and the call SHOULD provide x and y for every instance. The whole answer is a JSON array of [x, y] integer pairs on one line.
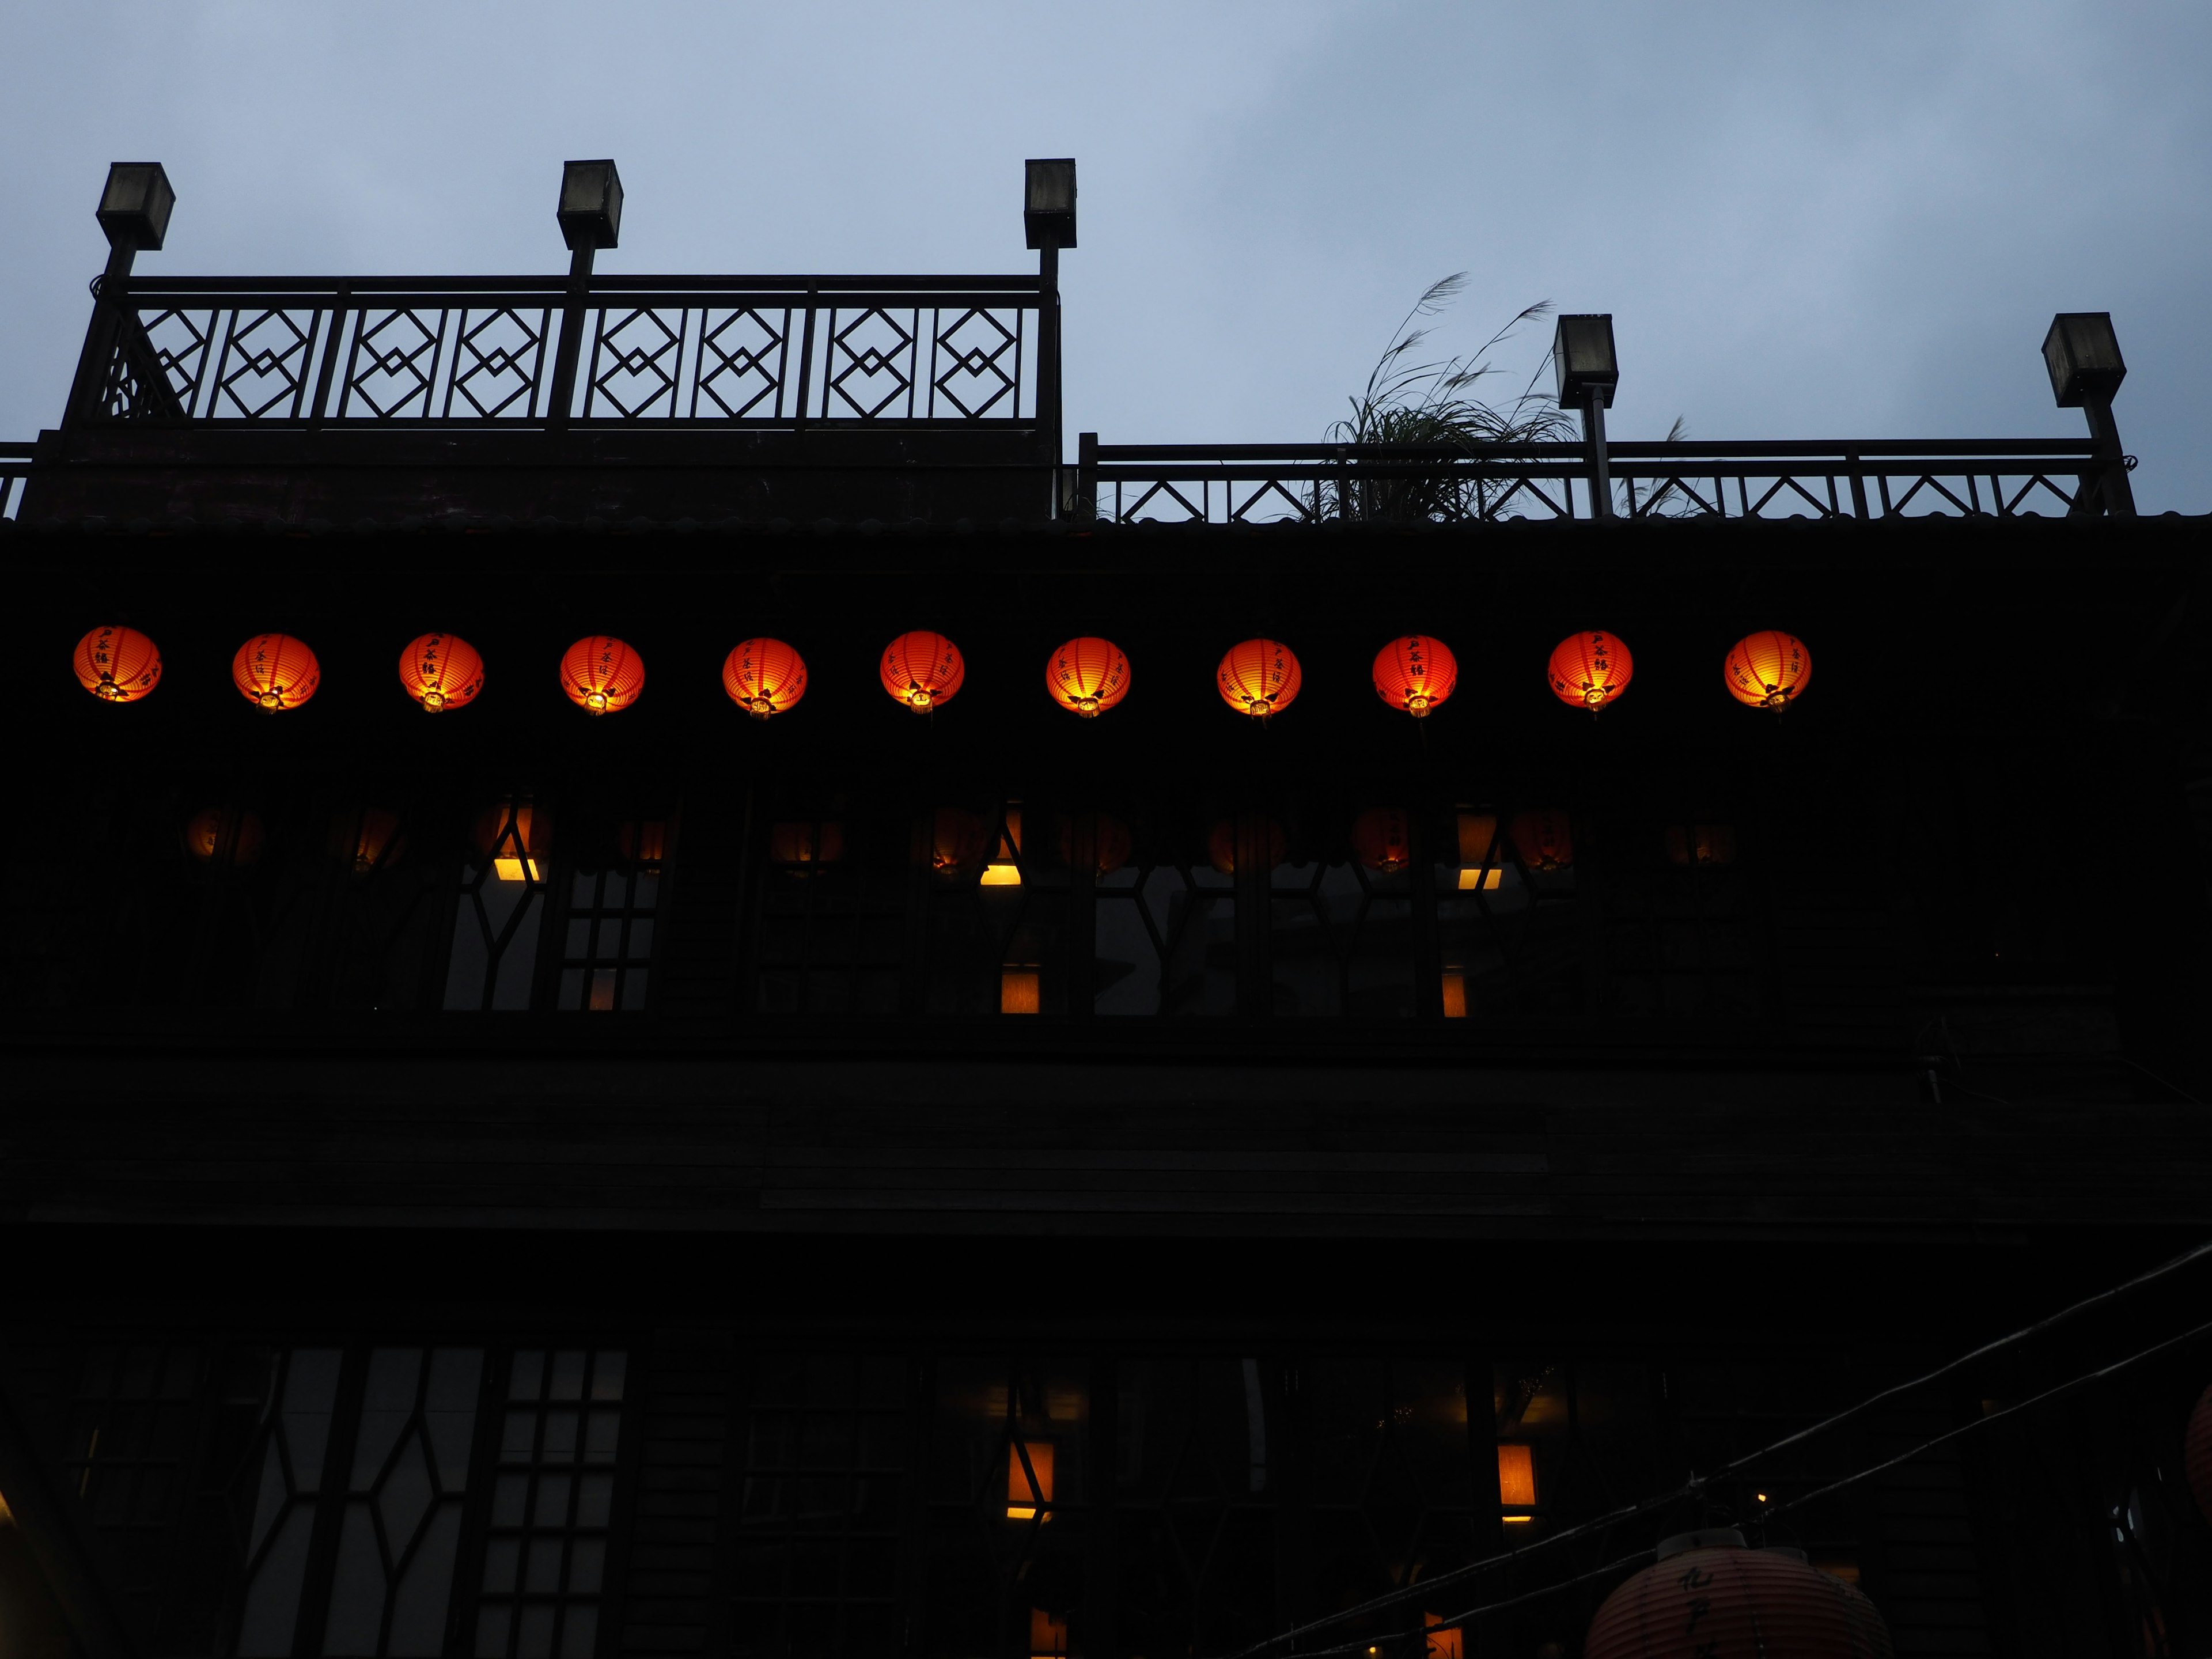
[[1048, 415], [1087, 476], [1858, 484], [2111, 462], [1600, 469], [571, 344]]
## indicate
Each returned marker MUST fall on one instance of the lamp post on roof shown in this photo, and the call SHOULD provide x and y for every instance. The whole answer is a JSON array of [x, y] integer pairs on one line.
[[1583, 359], [134, 205], [590, 216], [1049, 222], [2083, 355]]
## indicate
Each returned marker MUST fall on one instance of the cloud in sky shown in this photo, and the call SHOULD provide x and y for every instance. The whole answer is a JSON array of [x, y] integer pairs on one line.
[[1812, 221]]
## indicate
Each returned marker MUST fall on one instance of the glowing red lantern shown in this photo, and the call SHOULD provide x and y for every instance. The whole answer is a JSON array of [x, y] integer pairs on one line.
[[923, 670], [1708, 1595], [1087, 676], [276, 671], [1544, 839], [957, 840], [442, 671], [1259, 678], [1415, 673], [1383, 839], [1221, 845], [224, 834], [2197, 1455], [366, 839], [1767, 670], [602, 675], [1110, 843], [764, 678], [118, 664], [1590, 670]]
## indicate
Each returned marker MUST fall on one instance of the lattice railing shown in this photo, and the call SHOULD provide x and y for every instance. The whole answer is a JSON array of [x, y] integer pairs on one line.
[[763, 351], [1258, 483]]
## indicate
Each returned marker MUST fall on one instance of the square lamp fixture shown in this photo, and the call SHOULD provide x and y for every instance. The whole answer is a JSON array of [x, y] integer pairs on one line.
[[1581, 355], [2083, 355], [591, 204], [134, 209], [1048, 203]]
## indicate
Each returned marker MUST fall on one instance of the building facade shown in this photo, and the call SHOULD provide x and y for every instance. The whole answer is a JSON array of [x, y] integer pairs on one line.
[[980, 1181]]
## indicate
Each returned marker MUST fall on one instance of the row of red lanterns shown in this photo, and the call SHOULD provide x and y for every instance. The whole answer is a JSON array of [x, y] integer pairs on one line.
[[1086, 676]]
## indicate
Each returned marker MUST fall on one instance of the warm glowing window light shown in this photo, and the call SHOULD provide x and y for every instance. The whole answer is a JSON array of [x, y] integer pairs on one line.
[[1480, 881], [1020, 994], [504, 832], [1480, 871], [1002, 870], [1048, 1634], [1455, 994], [1024, 1499], [1443, 1643], [1516, 1479]]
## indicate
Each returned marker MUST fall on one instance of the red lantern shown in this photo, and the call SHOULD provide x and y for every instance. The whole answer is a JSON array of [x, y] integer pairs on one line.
[[1221, 845], [1590, 670], [764, 678], [1087, 676], [1707, 1594], [1544, 839], [224, 834], [442, 671], [1767, 670], [118, 664], [276, 671], [2197, 1455], [1110, 843], [923, 670], [602, 675], [957, 840], [365, 839], [804, 840], [1415, 673], [1383, 839], [1259, 678]]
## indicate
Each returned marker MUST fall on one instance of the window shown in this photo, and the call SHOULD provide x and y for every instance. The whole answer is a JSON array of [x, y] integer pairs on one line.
[[504, 885], [607, 952]]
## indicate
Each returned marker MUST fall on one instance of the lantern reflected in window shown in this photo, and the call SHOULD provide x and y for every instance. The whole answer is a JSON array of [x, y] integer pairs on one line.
[[1701, 843], [923, 670], [1516, 1480], [276, 671], [224, 834], [1415, 673], [1110, 843], [1021, 992], [602, 675], [1590, 671], [1383, 837], [1259, 678], [504, 836], [442, 671], [366, 839], [806, 841], [1025, 1496], [957, 841], [765, 676], [1221, 845], [1003, 869], [118, 664], [1767, 670], [1087, 676], [1545, 839]]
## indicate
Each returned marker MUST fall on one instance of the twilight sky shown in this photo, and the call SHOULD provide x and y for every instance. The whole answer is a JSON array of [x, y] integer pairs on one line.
[[1810, 220]]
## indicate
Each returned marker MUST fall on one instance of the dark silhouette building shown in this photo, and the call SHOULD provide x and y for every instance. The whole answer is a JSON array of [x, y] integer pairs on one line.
[[990, 1183]]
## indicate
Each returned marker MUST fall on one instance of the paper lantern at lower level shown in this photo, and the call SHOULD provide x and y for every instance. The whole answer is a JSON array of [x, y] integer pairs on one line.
[[923, 670], [1382, 837], [442, 671], [1544, 839], [1590, 671], [1415, 673], [1767, 670], [602, 675], [1221, 844], [806, 841], [1087, 676], [224, 834], [276, 671], [1110, 843], [2196, 1453], [764, 678], [118, 664], [1709, 1597], [957, 841], [1259, 678]]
